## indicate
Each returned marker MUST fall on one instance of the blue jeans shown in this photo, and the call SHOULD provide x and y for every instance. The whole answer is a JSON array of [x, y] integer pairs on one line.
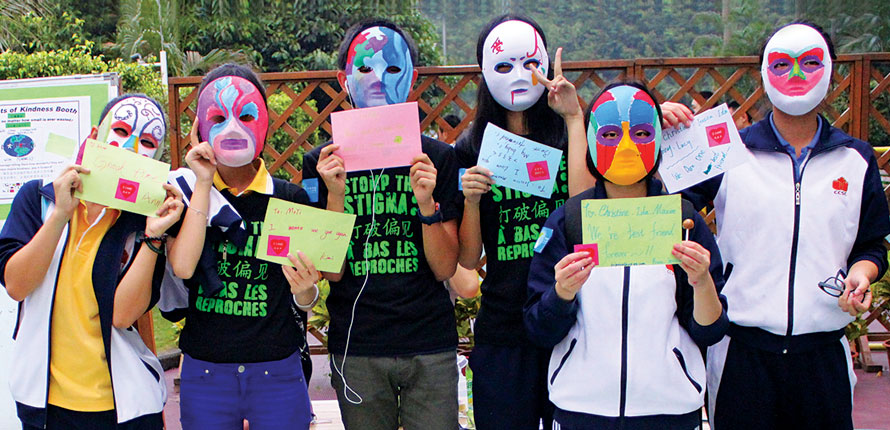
[[219, 396]]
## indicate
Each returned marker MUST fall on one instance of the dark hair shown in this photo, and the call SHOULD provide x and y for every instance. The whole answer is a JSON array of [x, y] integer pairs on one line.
[[232, 69], [352, 32], [621, 82], [548, 127], [735, 106], [115, 100], [706, 94], [452, 119], [814, 26]]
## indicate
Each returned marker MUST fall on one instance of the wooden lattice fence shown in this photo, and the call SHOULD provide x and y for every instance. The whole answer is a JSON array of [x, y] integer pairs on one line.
[[857, 102]]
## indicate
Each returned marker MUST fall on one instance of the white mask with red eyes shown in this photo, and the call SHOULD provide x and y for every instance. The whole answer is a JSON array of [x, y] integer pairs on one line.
[[509, 52], [796, 69], [134, 123]]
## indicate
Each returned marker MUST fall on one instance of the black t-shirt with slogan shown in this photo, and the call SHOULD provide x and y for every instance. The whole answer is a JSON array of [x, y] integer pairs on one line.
[[403, 309], [250, 320], [511, 222]]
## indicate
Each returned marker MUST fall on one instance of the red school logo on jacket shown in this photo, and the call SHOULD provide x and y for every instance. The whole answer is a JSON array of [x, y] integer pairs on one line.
[[840, 186]]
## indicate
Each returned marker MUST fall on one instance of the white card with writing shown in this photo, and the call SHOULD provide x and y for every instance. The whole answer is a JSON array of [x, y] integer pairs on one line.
[[691, 155]]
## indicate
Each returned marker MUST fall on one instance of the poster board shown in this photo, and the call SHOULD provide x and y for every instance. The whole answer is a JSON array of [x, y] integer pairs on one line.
[[45, 148], [39, 120]]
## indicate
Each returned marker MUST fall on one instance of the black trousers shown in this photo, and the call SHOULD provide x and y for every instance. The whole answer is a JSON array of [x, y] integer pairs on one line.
[[769, 390], [64, 419], [510, 387]]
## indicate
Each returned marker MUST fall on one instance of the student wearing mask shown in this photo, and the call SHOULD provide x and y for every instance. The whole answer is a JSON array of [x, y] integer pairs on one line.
[[796, 276], [626, 340], [242, 336], [392, 334], [83, 274]]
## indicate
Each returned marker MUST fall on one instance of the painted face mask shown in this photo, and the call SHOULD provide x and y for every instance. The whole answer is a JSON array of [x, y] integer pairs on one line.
[[796, 69], [379, 68], [134, 123], [624, 135], [510, 51], [232, 116]]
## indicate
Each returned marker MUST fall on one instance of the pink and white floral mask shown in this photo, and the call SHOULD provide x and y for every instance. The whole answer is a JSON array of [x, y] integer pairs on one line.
[[233, 118]]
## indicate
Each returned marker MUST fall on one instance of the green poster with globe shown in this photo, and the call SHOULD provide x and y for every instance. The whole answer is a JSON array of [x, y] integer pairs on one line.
[[42, 122]]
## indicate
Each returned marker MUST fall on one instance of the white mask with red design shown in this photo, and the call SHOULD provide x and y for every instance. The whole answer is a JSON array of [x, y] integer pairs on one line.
[[510, 50], [796, 69]]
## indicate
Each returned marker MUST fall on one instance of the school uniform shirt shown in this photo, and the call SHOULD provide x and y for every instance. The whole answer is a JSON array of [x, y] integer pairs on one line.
[[510, 224], [76, 384], [781, 232], [136, 376], [403, 309], [250, 319], [628, 344]]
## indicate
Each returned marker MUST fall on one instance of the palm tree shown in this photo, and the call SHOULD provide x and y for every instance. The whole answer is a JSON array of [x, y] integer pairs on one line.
[[10, 24], [147, 27]]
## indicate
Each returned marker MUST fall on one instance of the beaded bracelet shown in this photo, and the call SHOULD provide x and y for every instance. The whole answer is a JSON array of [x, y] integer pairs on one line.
[[162, 239]]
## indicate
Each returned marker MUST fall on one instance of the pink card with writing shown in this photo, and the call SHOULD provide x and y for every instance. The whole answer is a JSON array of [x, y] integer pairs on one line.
[[126, 190], [538, 171], [377, 137], [278, 246], [592, 250]]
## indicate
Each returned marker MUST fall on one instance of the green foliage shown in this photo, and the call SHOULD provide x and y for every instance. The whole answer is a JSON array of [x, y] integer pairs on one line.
[[465, 311], [50, 32], [880, 291], [321, 318], [78, 61], [281, 139], [149, 27], [300, 34]]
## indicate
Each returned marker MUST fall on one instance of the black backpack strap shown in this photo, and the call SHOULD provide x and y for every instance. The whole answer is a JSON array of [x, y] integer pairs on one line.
[[573, 233], [688, 209]]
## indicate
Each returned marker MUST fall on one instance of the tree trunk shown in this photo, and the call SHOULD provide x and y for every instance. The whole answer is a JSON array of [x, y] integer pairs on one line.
[[726, 26]]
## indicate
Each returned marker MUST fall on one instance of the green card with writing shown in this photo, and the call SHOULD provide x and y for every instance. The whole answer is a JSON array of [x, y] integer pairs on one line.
[[289, 227], [629, 232], [122, 179]]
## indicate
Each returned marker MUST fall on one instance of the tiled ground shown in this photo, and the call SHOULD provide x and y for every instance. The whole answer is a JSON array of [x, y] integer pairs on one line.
[[871, 409]]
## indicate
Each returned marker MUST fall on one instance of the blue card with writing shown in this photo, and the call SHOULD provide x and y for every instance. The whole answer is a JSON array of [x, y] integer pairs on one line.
[[519, 163]]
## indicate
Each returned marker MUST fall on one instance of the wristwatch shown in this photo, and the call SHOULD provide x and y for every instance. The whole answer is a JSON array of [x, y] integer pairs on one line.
[[432, 219]]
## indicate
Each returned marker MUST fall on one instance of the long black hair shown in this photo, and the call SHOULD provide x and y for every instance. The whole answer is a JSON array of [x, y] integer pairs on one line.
[[232, 69], [618, 83], [544, 125]]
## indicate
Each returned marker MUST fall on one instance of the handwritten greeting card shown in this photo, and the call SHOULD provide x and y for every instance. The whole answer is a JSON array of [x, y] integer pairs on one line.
[[519, 163], [289, 227], [122, 179], [628, 232], [377, 137], [708, 148]]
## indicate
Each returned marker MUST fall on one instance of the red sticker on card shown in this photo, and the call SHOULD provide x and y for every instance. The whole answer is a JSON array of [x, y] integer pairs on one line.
[[592, 250], [278, 246], [126, 190], [718, 134], [538, 171]]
